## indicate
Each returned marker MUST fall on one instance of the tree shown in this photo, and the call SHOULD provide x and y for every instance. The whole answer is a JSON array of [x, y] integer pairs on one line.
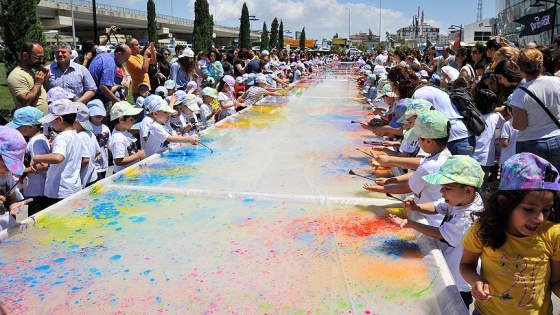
[[302, 39], [362, 47], [264, 37], [335, 35], [370, 35], [203, 26], [152, 23], [281, 37], [274, 33], [20, 24], [245, 28]]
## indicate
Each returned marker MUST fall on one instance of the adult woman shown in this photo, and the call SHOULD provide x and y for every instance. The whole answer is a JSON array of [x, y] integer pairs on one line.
[[406, 84], [226, 61], [463, 59], [159, 71], [509, 77], [183, 71], [429, 63], [506, 52], [538, 133], [238, 63], [215, 69], [478, 54]]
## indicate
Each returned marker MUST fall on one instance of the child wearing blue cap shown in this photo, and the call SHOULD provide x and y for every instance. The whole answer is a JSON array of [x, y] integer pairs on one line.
[[12, 149], [97, 114], [26, 121], [460, 177], [90, 147], [516, 238]]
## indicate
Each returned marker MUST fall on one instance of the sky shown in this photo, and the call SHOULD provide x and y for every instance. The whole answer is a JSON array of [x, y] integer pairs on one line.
[[324, 18]]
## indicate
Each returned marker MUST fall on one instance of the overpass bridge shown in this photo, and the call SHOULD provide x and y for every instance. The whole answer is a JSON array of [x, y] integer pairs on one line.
[[57, 15]]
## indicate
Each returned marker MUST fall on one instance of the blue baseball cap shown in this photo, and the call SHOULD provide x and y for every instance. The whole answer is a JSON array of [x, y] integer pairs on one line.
[[96, 108], [26, 116]]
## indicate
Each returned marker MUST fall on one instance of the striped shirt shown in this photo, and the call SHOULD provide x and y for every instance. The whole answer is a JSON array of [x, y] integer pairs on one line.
[[76, 79]]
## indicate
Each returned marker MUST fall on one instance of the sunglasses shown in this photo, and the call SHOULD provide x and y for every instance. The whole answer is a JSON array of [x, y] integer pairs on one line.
[[40, 58]]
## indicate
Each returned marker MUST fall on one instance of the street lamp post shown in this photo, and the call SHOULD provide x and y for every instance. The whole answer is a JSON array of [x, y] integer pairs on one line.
[[348, 27], [460, 27], [379, 21], [73, 25], [555, 6], [95, 37]]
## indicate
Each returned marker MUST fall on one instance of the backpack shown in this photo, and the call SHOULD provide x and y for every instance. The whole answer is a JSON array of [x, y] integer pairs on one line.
[[466, 107]]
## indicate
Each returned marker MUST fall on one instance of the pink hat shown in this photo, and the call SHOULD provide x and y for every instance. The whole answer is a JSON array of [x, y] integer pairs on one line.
[[12, 149], [229, 80]]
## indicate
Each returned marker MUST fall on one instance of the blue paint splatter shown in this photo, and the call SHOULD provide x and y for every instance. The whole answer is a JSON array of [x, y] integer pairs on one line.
[[116, 257], [136, 219], [43, 267], [306, 238], [147, 272], [104, 211], [158, 299], [59, 260], [118, 229], [76, 288]]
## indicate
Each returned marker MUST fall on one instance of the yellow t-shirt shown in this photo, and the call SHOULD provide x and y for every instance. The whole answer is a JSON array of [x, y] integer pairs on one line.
[[215, 104], [138, 76], [520, 268], [21, 81]]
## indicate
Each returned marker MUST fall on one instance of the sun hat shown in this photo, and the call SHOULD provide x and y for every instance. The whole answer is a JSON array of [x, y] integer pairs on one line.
[[229, 80], [251, 79], [274, 64], [162, 105], [191, 87], [96, 108], [187, 53], [430, 124], [265, 53], [12, 149], [58, 108], [424, 74], [261, 78], [414, 108], [161, 91], [399, 109], [190, 101], [123, 108], [461, 169], [26, 116], [143, 84], [207, 91], [386, 90], [169, 84], [240, 80], [149, 102], [57, 93], [180, 94], [527, 171], [82, 116]]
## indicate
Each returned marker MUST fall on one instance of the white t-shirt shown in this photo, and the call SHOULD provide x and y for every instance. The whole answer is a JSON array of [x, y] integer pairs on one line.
[[442, 102], [205, 110], [157, 138], [122, 144], [456, 222], [140, 102], [451, 72], [37, 145], [7, 182], [90, 149], [177, 124], [485, 149], [144, 129], [508, 132], [190, 119], [424, 192], [103, 136], [539, 124], [63, 179], [228, 99]]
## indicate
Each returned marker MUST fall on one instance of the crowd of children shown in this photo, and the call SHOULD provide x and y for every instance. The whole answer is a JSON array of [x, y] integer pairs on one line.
[[492, 209]]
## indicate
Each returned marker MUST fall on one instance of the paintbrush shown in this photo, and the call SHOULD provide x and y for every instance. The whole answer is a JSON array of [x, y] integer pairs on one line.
[[354, 122], [365, 152], [351, 172], [373, 142], [394, 197], [211, 151], [502, 296]]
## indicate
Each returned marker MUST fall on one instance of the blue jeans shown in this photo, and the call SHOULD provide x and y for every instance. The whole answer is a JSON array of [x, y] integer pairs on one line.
[[463, 146], [548, 149]]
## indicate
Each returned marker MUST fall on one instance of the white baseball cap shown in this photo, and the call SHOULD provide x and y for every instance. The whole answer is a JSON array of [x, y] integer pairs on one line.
[[59, 108]]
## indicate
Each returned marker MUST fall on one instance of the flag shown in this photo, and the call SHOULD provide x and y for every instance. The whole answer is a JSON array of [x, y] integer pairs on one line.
[[422, 24], [537, 23], [457, 42], [428, 42]]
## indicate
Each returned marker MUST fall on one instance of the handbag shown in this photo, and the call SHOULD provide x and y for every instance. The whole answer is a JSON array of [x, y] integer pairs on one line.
[[542, 105]]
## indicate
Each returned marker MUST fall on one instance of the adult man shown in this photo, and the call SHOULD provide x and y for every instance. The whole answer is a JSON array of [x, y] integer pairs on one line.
[[27, 81], [178, 52], [137, 65], [256, 65], [69, 75], [103, 69]]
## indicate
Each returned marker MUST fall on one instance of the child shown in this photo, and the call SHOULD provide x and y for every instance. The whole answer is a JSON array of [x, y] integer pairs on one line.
[[90, 147], [431, 128], [176, 121], [170, 86], [103, 135], [160, 134], [143, 92], [516, 240], [161, 91], [508, 137], [65, 159], [460, 176], [26, 121], [12, 150], [190, 108], [123, 143], [148, 120], [226, 97], [257, 92], [207, 112]]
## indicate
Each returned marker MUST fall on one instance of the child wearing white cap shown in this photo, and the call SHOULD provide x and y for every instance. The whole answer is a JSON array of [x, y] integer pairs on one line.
[[102, 133], [90, 147], [190, 108], [207, 112], [123, 143], [65, 159], [160, 134]]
